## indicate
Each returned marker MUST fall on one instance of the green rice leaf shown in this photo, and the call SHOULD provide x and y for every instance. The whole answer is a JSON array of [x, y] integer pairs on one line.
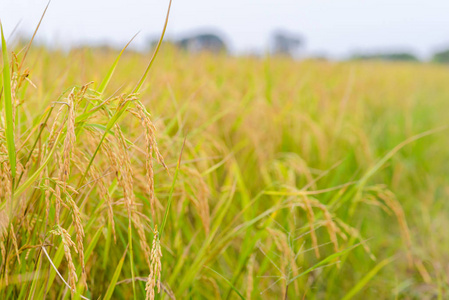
[[172, 188], [142, 79], [7, 92], [229, 283], [357, 288], [324, 262], [114, 279], [108, 77], [35, 175]]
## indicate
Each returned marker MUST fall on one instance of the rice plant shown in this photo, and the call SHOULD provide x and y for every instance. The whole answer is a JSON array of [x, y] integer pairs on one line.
[[215, 177]]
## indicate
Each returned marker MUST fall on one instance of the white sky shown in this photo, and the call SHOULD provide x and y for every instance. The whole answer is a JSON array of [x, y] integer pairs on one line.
[[333, 27]]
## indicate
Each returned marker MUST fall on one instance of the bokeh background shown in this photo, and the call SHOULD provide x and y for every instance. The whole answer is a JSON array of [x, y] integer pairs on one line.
[[333, 29]]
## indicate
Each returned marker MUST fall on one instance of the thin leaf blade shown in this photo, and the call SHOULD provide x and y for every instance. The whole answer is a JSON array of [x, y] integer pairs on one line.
[[114, 279], [7, 92]]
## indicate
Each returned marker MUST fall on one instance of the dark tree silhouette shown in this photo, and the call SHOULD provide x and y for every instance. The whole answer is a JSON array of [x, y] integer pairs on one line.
[[284, 43], [441, 57], [203, 42], [394, 56]]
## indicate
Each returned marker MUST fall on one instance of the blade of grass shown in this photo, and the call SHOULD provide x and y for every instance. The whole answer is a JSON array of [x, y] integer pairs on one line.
[[131, 257], [91, 247], [7, 92], [33, 177], [108, 77], [142, 79], [87, 254], [114, 279], [41, 125], [323, 262], [393, 151], [210, 250], [107, 245], [32, 38], [387, 157], [36, 278], [358, 287], [223, 205], [172, 188], [228, 282]]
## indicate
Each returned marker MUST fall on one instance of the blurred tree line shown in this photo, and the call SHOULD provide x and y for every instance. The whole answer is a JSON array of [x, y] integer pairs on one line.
[[400, 56], [441, 57]]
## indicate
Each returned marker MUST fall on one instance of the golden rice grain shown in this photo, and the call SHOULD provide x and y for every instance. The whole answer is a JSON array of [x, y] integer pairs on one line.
[[154, 279], [67, 243]]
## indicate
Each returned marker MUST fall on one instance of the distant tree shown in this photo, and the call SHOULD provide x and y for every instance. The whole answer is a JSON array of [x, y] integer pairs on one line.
[[441, 57], [208, 42], [395, 56], [284, 43]]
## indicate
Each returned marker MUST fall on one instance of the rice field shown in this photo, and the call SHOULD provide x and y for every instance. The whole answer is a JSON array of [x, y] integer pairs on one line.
[[217, 177]]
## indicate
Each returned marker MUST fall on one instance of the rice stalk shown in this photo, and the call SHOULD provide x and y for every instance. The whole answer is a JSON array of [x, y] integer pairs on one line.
[[154, 279]]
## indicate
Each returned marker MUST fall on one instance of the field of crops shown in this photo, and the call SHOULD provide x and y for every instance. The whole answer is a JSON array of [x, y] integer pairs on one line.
[[221, 177]]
